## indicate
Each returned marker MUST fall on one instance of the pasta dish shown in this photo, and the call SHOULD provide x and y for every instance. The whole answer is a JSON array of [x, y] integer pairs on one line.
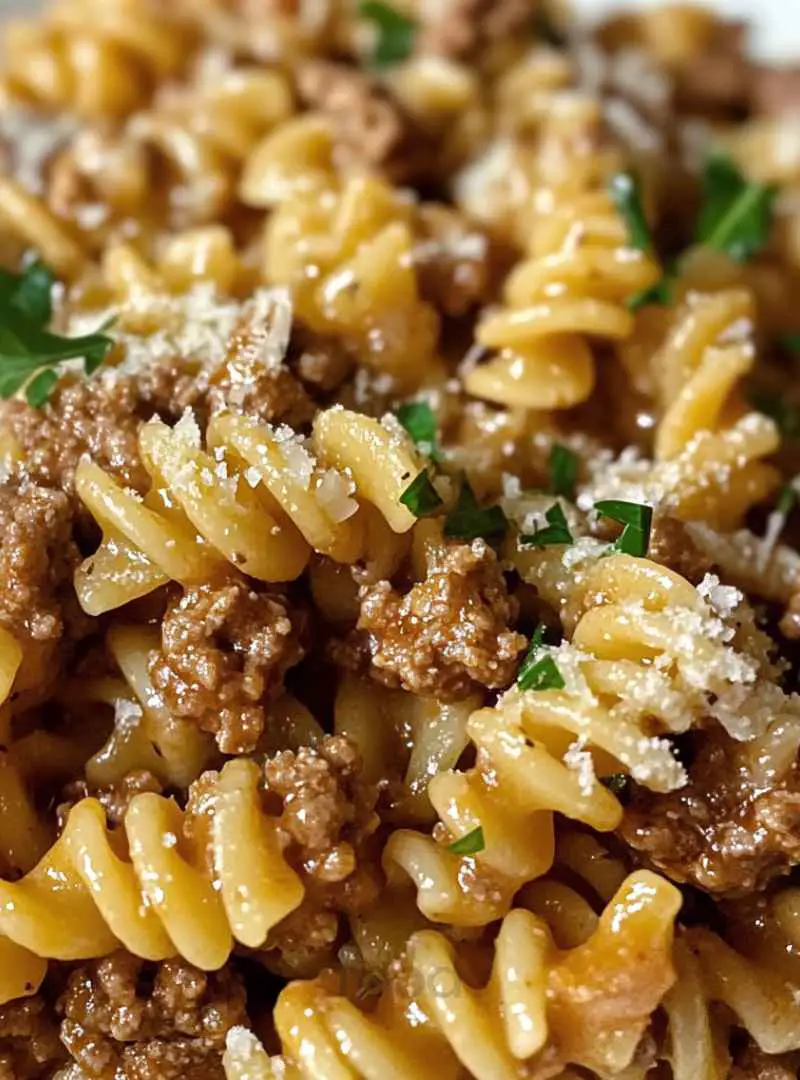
[[399, 544]]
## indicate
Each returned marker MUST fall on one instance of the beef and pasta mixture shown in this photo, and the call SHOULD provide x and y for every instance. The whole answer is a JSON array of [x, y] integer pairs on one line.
[[399, 544]]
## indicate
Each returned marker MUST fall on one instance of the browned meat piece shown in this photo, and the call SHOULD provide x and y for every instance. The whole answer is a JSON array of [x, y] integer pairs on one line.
[[37, 559], [447, 634], [224, 649], [715, 81], [370, 130], [124, 1018], [754, 1064], [97, 417], [722, 832], [775, 90], [326, 821], [462, 29], [116, 797], [29, 1045], [672, 546], [322, 363], [453, 260]]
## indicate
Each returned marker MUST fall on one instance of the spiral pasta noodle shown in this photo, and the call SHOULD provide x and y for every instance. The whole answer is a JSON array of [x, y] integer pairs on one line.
[[264, 519], [363, 287], [573, 285], [89, 893], [100, 63], [534, 994]]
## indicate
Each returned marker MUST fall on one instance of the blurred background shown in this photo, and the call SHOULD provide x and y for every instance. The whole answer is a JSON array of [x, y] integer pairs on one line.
[[775, 23]]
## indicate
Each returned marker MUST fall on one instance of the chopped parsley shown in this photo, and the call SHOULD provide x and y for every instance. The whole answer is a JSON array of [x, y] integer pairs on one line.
[[539, 672], [555, 532], [627, 196], [420, 423], [563, 468], [421, 497], [736, 213], [637, 520], [395, 32], [660, 293], [469, 844], [787, 500], [618, 784], [785, 416], [468, 520], [790, 341], [29, 352]]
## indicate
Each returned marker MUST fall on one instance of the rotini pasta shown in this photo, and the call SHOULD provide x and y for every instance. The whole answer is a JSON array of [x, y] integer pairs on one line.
[[398, 544]]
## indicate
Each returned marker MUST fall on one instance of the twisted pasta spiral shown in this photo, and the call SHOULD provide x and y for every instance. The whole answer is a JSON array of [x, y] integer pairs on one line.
[[189, 146], [347, 258], [574, 284], [185, 882], [647, 655], [432, 1022], [101, 62], [254, 498]]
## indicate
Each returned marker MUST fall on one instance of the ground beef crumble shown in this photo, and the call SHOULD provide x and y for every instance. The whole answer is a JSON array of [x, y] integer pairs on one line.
[[672, 546], [326, 821], [224, 650], [115, 797], [720, 832], [96, 417], [29, 1045], [125, 1018], [371, 131], [448, 633], [37, 560]]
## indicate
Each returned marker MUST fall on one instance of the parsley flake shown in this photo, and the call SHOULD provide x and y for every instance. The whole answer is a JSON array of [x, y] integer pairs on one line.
[[637, 520], [468, 520], [787, 500], [736, 214], [625, 191], [618, 784], [555, 532], [539, 673], [469, 844], [790, 341], [419, 421], [421, 497], [29, 353], [395, 32], [562, 465]]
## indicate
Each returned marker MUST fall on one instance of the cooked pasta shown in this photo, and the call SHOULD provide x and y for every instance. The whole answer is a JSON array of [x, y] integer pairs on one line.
[[399, 569]]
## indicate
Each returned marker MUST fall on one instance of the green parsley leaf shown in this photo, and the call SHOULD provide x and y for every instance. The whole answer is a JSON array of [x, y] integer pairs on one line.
[[539, 673], [562, 465], [556, 531], [29, 293], [468, 520], [40, 387], [787, 500], [636, 518], [421, 497], [661, 293], [469, 844], [395, 32], [736, 214], [785, 416], [618, 784], [419, 421], [790, 342], [624, 189], [29, 352]]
